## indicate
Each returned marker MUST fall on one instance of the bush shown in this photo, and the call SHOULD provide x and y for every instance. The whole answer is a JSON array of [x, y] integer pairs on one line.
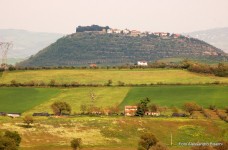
[[7, 144], [76, 143], [28, 120], [147, 140], [191, 106], [14, 136]]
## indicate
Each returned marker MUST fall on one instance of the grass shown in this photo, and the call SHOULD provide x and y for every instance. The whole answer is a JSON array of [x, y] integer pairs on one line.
[[178, 95], [23, 99], [101, 76], [115, 133]]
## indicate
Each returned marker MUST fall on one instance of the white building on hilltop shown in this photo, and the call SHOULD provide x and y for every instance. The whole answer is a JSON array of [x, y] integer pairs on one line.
[[142, 63]]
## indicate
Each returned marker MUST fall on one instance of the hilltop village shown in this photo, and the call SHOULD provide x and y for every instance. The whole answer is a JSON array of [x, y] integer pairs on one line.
[[128, 32]]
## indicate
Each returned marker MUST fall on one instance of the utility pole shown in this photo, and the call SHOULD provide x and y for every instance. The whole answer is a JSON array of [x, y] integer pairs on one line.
[[171, 140]]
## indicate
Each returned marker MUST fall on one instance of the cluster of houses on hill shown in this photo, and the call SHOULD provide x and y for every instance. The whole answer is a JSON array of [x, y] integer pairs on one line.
[[134, 32]]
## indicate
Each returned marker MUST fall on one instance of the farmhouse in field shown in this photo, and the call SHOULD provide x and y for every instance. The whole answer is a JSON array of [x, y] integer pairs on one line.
[[142, 63], [14, 115], [130, 110], [148, 113]]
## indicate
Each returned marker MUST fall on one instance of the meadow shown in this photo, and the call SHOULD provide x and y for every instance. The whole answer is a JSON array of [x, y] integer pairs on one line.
[[115, 133], [101, 76]]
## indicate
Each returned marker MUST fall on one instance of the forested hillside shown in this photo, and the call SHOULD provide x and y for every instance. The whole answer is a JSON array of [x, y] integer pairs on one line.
[[85, 48]]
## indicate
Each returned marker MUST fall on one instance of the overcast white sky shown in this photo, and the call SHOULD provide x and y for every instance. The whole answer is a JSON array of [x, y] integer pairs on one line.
[[62, 16]]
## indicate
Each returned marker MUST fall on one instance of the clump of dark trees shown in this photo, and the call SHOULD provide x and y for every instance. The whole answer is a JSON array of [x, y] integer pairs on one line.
[[91, 28], [10, 140]]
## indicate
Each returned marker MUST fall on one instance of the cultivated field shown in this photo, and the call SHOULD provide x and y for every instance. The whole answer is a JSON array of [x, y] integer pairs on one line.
[[101, 76], [31, 100], [177, 95], [23, 99]]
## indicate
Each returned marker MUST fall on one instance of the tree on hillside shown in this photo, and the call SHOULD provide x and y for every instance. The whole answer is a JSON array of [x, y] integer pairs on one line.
[[28, 120], [142, 107], [147, 140], [191, 106], [61, 107], [76, 143]]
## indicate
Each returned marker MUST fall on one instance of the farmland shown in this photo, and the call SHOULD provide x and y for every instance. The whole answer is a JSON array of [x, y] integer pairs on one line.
[[22, 99], [31, 100], [113, 132], [101, 76], [177, 95]]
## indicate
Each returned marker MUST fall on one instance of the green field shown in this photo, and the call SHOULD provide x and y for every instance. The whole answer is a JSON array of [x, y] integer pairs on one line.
[[23, 99], [32, 100], [178, 95], [101, 76]]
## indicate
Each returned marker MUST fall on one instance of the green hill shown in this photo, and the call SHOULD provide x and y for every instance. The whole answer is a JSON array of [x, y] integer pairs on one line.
[[101, 48]]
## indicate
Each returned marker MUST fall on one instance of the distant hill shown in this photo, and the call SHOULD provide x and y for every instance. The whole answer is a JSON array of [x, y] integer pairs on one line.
[[84, 48], [217, 37], [26, 43]]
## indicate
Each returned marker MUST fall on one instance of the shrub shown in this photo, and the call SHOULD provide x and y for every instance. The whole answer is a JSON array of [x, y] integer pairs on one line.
[[191, 106], [76, 143], [14, 136], [147, 140], [28, 120]]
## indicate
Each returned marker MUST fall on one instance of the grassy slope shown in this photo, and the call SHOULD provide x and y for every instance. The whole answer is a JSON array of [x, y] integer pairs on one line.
[[22, 99], [177, 95], [76, 96], [115, 132], [101, 76]]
